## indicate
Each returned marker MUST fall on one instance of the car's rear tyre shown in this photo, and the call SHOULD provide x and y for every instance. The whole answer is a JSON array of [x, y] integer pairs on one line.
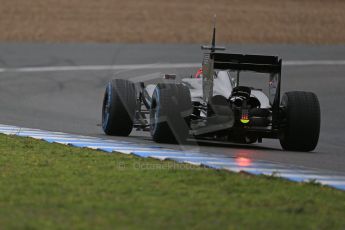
[[301, 125], [119, 105], [171, 107]]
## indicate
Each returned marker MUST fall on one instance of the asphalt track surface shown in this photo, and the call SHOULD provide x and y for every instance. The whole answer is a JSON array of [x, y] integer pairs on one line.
[[69, 99]]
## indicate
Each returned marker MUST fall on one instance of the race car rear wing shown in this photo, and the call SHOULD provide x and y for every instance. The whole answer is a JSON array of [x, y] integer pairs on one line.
[[271, 65], [243, 62]]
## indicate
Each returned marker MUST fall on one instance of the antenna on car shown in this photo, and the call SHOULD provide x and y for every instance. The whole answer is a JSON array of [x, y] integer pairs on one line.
[[214, 34], [213, 46]]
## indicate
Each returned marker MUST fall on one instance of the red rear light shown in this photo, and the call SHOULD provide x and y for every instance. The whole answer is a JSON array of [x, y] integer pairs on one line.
[[243, 161], [245, 117]]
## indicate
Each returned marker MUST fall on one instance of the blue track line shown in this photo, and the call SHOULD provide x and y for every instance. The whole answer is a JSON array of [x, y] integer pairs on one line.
[[292, 173]]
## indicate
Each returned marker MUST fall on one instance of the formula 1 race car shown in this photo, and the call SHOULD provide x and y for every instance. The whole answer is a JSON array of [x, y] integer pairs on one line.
[[214, 105]]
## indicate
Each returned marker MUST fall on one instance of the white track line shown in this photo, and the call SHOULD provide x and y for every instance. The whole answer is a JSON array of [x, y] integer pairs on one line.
[[152, 66], [144, 78], [313, 62], [99, 67]]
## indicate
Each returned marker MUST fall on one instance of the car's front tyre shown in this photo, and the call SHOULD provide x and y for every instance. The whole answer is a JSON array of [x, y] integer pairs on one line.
[[119, 106]]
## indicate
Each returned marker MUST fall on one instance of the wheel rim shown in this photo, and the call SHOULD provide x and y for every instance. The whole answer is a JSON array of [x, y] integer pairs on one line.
[[106, 108], [154, 112], [153, 118]]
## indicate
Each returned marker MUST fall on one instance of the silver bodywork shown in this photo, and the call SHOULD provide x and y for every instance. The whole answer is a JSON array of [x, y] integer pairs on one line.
[[223, 83]]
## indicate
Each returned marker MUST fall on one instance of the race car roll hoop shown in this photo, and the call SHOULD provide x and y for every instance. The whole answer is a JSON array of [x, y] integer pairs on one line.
[[215, 106]]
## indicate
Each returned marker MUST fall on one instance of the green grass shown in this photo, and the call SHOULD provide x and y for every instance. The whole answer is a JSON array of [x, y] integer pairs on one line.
[[51, 186]]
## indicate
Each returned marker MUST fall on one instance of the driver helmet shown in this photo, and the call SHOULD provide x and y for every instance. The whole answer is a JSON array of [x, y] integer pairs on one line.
[[198, 73]]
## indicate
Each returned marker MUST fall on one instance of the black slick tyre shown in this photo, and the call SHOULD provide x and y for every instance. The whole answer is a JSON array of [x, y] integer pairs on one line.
[[171, 107], [119, 106], [301, 122]]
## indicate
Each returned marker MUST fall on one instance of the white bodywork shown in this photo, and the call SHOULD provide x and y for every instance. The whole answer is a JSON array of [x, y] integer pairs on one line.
[[222, 85]]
